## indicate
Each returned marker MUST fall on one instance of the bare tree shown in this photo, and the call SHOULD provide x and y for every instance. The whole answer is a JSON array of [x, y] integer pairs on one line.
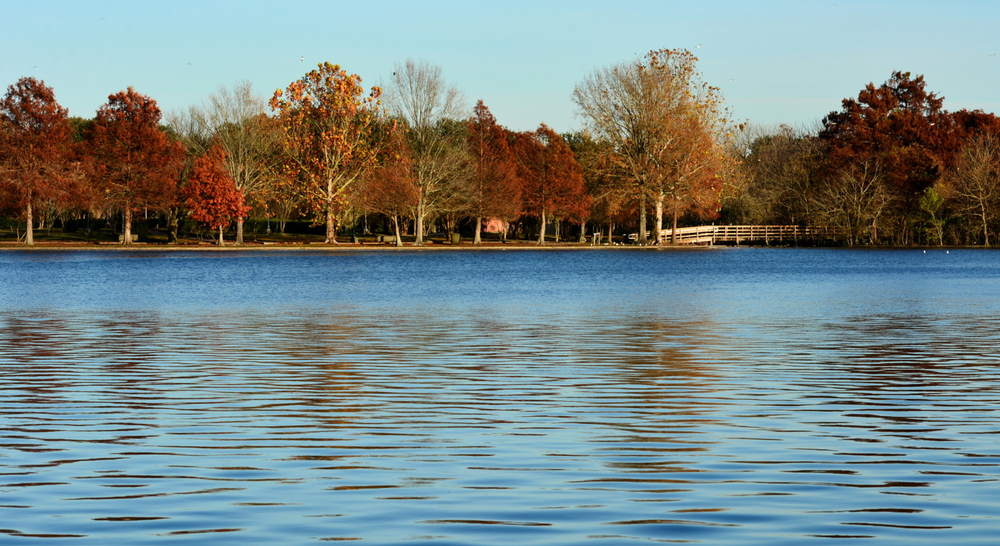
[[976, 181], [856, 199], [237, 120], [660, 119], [418, 96]]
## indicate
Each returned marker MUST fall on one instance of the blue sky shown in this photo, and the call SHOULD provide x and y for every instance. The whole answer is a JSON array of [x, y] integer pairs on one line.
[[775, 61]]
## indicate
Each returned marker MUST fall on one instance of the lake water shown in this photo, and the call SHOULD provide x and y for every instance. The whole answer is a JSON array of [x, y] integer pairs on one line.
[[724, 396]]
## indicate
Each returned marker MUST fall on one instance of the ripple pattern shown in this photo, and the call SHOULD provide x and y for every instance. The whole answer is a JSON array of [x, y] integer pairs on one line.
[[720, 397]]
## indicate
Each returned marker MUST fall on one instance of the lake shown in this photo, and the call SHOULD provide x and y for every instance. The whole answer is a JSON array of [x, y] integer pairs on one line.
[[612, 396]]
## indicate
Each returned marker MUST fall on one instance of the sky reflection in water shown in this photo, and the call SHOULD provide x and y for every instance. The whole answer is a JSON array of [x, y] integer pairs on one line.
[[726, 396]]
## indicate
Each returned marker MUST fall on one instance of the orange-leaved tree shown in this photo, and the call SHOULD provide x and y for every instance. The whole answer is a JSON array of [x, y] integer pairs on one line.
[[34, 148], [332, 136], [494, 187], [137, 165], [391, 188], [552, 180], [211, 194]]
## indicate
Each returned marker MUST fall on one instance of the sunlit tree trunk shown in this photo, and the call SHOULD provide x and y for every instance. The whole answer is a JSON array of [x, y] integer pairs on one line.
[[477, 239], [29, 235], [659, 218], [395, 226], [331, 227], [673, 231], [419, 231], [541, 232], [127, 228], [221, 241], [239, 231]]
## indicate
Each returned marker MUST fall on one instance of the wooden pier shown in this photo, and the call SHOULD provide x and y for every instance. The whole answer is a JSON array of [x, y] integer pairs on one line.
[[710, 235]]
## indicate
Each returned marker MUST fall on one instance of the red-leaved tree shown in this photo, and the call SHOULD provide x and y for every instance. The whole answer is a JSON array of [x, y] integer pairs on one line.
[[552, 180], [34, 149], [494, 187], [137, 165], [211, 195]]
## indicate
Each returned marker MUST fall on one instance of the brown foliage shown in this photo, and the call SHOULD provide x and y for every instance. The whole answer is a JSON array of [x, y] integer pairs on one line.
[[551, 178], [900, 125], [136, 164], [35, 150], [494, 187]]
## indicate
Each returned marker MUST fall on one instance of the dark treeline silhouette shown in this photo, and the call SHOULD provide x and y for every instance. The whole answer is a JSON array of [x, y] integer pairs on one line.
[[890, 167]]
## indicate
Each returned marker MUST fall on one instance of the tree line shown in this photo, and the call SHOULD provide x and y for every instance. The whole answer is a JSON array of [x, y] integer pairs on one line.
[[658, 146]]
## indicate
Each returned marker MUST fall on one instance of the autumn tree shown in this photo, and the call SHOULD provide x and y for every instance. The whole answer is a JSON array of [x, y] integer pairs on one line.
[[137, 165], [604, 182], [901, 126], [211, 195], [552, 180], [975, 181], [391, 189], [35, 149], [236, 120], [661, 120], [494, 187], [332, 136], [418, 96]]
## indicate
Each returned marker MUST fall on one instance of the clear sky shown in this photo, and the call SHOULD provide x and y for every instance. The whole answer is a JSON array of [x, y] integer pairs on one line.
[[776, 61]]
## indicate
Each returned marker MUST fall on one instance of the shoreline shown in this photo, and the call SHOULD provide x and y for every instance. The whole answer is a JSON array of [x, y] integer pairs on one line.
[[342, 247]]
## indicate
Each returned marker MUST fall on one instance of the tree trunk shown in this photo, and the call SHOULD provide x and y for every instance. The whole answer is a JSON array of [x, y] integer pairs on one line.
[[172, 226], [986, 228], [583, 231], [29, 235], [395, 226], [642, 221], [477, 239], [541, 232], [221, 241], [331, 226], [673, 231], [127, 227], [659, 219], [239, 231], [558, 228]]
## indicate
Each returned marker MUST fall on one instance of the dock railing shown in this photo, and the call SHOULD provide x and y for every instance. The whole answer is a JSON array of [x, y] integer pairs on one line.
[[736, 234]]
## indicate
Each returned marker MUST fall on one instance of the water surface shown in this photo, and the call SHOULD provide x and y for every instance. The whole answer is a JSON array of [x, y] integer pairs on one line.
[[727, 396]]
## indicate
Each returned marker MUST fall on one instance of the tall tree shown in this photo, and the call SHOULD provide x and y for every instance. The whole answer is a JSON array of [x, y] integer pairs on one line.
[[332, 136], [211, 195], [902, 127], [137, 165], [235, 119], [661, 119], [494, 187], [976, 181], [552, 180], [419, 97], [35, 144]]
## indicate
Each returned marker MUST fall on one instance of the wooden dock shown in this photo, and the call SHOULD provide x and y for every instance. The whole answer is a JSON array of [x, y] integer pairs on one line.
[[710, 235]]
